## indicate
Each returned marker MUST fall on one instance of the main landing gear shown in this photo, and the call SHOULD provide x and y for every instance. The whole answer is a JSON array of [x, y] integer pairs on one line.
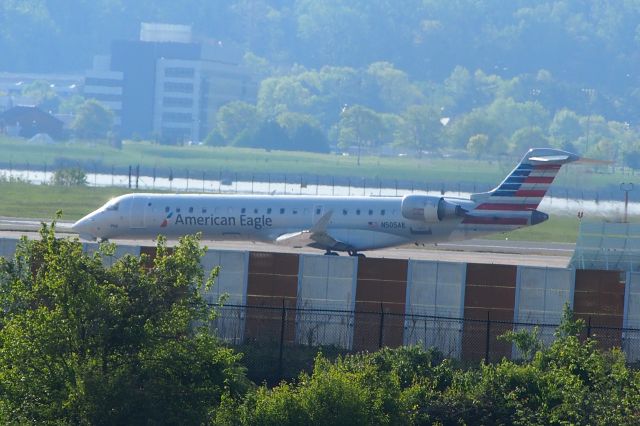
[[350, 252], [355, 253]]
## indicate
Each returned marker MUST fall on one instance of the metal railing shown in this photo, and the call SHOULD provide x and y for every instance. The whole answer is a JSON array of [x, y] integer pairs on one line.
[[279, 341]]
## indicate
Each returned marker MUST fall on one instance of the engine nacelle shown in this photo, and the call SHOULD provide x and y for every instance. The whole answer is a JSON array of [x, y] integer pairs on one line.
[[429, 209]]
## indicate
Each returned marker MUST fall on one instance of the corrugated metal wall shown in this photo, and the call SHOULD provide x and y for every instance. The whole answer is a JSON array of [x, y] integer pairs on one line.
[[381, 290], [272, 283], [490, 292], [599, 298]]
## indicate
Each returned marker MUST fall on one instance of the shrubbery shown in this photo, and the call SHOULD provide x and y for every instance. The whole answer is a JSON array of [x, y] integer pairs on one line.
[[81, 343]]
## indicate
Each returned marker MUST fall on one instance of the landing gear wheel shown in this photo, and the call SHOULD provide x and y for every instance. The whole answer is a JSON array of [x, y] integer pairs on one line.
[[355, 253], [331, 253]]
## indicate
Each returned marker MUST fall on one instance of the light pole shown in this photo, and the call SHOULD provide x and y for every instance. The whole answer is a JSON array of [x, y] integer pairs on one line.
[[626, 187]]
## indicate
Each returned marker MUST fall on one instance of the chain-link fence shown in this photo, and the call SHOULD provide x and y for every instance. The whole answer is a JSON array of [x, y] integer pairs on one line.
[[279, 342]]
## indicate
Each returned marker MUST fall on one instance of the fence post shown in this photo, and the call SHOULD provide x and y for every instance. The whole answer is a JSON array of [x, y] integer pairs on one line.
[[283, 319], [589, 327], [381, 334], [487, 338], [129, 176]]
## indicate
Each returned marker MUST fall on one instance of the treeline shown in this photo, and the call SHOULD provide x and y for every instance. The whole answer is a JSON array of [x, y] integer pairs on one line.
[[380, 106], [85, 343], [419, 75]]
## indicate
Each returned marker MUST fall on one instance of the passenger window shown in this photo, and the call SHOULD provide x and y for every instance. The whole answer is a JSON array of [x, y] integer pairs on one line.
[[358, 212], [190, 209], [269, 210], [166, 209], [295, 211], [178, 210], [243, 210], [344, 212], [370, 212], [113, 207], [318, 211], [204, 210], [255, 211], [382, 212]]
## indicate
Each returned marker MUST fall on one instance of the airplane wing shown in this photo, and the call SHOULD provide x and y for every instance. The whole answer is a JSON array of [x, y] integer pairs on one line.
[[316, 237]]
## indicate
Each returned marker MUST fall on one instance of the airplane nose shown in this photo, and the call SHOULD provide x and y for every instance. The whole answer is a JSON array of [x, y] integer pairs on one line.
[[86, 228]]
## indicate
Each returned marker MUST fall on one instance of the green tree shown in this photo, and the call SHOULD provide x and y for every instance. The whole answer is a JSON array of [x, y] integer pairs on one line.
[[421, 128], [71, 176], [477, 145], [359, 126], [81, 343], [304, 132], [234, 118], [93, 120]]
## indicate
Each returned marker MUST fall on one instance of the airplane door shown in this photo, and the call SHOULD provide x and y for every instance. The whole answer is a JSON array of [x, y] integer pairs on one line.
[[137, 212]]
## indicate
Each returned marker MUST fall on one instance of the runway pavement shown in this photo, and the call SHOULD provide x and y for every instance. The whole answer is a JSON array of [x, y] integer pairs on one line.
[[471, 251]]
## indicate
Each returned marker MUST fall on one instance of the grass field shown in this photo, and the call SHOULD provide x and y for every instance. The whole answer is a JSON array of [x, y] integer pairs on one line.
[[42, 202], [198, 159]]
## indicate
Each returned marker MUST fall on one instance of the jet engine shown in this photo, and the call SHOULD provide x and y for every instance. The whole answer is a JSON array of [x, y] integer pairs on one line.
[[429, 209]]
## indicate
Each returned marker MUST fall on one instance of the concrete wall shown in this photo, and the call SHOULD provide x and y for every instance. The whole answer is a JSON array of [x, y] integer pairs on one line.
[[7, 247], [327, 283], [631, 338], [230, 287], [541, 294], [435, 289]]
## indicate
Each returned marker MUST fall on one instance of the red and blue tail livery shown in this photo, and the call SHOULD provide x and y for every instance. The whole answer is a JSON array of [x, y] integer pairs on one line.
[[515, 200]]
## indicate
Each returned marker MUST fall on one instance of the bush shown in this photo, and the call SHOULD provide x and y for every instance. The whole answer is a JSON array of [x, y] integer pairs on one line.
[[74, 176]]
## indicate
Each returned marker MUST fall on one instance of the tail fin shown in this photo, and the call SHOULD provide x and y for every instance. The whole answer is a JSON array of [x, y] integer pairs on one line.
[[527, 184]]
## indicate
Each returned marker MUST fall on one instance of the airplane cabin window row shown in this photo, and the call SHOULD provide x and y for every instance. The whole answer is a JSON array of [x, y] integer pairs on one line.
[[269, 210]]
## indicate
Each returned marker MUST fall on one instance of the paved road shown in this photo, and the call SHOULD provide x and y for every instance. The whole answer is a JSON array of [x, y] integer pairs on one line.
[[471, 251]]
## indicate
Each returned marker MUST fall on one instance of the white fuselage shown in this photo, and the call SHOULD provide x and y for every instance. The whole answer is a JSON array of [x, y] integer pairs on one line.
[[359, 223]]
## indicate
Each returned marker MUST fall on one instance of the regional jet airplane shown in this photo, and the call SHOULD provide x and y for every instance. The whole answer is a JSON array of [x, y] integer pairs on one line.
[[349, 224]]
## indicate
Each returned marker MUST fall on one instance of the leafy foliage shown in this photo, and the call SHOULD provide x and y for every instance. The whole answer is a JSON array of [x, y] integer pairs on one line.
[[81, 343], [92, 120], [70, 176]]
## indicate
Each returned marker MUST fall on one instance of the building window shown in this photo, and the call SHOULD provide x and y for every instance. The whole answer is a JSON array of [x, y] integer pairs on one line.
[[177, 117], [179, 72], [104, 82], [177, 102], [178, 87]]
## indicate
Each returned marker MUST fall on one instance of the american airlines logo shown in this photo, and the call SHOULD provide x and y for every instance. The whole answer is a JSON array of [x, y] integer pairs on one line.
[[165, 222]]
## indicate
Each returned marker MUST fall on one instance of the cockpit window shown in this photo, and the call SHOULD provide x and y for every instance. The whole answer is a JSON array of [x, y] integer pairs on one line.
[[112, 206]]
